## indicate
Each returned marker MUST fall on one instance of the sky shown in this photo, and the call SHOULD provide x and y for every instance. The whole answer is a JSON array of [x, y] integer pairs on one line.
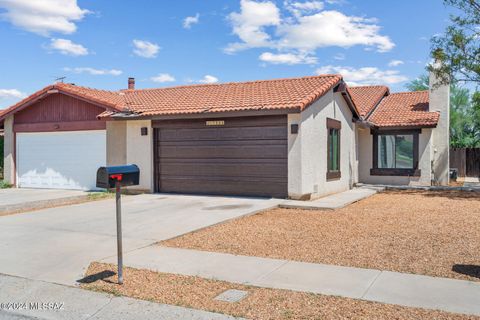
[[100, 43]]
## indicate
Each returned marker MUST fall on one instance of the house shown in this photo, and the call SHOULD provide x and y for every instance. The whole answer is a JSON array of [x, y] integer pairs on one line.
[[300, 138]]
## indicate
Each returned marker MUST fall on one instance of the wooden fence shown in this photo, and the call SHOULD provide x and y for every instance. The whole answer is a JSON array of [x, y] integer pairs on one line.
[[466, 160]]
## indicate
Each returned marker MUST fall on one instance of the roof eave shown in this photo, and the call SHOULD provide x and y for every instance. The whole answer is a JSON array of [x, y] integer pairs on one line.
[[342, 87], [202, 115], [404, 127]]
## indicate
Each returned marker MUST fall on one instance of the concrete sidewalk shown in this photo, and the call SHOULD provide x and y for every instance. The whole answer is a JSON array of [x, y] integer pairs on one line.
[[81, 304], [334, 201], [367, 284]]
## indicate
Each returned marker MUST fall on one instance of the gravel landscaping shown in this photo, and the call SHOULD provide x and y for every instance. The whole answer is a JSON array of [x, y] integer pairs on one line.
[[260, 303], [433, 233]]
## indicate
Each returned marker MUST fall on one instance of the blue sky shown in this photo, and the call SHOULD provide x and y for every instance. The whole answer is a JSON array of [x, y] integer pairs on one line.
[[100, 44]]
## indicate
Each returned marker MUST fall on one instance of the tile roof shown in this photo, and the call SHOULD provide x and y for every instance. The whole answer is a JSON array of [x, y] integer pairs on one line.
[[293, 94], [290, 94], [296, 94], [404, 109], [366, 98]]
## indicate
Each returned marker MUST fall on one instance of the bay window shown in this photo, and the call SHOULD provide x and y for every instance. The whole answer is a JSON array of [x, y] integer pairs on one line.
[[395, 153]]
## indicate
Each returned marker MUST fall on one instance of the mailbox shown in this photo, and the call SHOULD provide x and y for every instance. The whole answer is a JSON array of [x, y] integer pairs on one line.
[[127, 175]]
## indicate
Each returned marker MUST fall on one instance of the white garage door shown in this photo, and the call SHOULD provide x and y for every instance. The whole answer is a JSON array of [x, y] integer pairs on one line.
[[60, 160]]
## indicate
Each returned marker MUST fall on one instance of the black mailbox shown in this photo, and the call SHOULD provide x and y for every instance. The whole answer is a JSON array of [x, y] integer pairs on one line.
[[127, 175]]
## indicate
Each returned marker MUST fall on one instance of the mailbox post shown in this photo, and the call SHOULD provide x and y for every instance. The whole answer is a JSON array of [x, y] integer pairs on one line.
[[118, 200], [116, 177]]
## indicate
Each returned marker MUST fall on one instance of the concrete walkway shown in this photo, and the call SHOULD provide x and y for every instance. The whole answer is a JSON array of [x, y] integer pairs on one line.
[[78, 304], [472, 182], [334, 201], [367, 284]]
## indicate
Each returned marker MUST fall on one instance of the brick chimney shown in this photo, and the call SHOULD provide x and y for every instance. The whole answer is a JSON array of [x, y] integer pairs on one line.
[[131, 83], [440, 101]]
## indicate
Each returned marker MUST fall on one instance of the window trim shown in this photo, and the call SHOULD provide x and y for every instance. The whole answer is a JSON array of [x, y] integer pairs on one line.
[[414, 172], [334, 124]]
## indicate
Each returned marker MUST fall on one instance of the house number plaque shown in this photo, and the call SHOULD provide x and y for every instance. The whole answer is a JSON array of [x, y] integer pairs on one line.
[[215, 123]]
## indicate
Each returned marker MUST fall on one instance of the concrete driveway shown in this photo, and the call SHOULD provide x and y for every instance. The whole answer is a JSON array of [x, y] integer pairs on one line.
[[57, 244], [14, 199]]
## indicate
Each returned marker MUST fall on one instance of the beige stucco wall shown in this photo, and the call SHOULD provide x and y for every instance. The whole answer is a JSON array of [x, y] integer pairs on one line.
[[116, 143], [8, 150], [365, 146], [139, 151], [307, 150], [440, 101]]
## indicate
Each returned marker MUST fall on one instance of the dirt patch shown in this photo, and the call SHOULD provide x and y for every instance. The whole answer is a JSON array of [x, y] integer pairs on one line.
[[423, 232], [261, 303]]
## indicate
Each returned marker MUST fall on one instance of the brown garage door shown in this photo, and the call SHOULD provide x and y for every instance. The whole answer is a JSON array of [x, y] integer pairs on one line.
[[232, 156]]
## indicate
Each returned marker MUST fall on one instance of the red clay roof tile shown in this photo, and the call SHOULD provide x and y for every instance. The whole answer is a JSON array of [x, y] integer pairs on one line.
[[367, 97], [400, 109], [404, 109], [293, 94], [296, 93]]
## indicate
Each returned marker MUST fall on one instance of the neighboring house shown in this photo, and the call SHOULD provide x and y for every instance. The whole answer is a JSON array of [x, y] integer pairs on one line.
[[300, 138]]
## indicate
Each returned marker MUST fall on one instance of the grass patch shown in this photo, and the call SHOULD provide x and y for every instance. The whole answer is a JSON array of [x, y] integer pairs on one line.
[[92, 196], [5, 185]]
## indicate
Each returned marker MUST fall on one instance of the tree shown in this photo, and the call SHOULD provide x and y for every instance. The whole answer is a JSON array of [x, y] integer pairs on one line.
[[419, 84], [464, 113], [458, 49]]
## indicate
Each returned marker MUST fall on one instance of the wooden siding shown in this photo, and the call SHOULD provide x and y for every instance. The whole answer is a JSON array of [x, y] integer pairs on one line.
[[59, 112]]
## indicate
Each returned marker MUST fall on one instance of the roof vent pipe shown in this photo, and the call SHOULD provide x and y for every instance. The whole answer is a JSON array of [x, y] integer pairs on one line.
[[131, 83]]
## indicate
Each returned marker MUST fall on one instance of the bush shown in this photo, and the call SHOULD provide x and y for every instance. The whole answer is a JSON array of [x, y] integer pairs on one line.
[[4, 184]]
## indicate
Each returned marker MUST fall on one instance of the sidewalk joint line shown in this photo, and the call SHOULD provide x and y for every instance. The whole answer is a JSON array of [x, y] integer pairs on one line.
[[371, 284], [101, 308], [271, 271]]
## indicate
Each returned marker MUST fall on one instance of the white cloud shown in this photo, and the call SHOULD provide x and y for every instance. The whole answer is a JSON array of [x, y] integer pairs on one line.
[[145, 49], [163, 77], [287, 58], [339, 56], [333, 29], [43, 16], [67, 47], [395, 63], [11, 94], [95, 72], [189, 21], [207, 79], [308, 28], [249, 25], [299, 8], [365, 75]]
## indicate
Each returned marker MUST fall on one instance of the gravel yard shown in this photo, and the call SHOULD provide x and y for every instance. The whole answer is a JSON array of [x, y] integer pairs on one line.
[[432, 233], [261, 303]]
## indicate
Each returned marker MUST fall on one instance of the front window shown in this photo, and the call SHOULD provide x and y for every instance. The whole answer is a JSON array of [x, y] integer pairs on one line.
[[395, 151], [333, 149]]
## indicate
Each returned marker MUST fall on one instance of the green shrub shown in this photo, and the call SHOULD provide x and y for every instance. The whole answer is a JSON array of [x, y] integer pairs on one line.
[[4, 184]]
